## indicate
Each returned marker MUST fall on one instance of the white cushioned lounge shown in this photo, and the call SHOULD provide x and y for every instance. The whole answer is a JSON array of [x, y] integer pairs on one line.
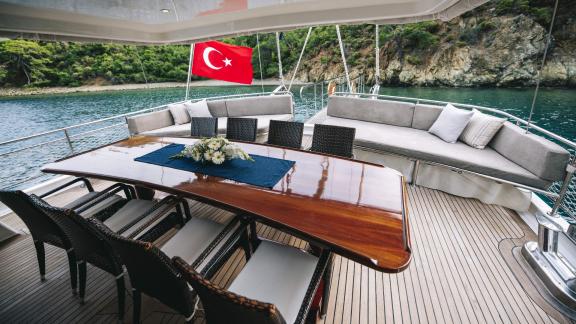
[[264, 108], [401, 128]]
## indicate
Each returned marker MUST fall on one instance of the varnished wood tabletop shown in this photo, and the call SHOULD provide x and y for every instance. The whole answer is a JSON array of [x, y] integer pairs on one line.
[[356, 209]]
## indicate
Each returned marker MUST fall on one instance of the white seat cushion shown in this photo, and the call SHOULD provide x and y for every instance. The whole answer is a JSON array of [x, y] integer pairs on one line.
[[192, 239], [129, 213], [96, 208], [277, 274]]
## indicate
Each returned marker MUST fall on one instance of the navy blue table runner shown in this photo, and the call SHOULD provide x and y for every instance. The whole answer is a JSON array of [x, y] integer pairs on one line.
[[263, 172]]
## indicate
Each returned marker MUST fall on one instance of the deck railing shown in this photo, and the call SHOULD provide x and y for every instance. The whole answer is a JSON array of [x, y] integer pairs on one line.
[[48, 146]]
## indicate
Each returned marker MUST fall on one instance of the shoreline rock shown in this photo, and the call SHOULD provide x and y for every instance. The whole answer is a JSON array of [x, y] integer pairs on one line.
[[19, 92]]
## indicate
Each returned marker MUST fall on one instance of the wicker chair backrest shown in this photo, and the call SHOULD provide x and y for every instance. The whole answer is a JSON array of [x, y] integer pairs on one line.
[[151, 271], [88, 243], [285, 133], [222, 307], [41, 226], [334, 140], [242, 129], [204, 126]]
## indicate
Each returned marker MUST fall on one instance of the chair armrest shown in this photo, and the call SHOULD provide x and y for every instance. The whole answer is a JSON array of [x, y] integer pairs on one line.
[[323, 263], [68, 184], [103, 195], [167, 204]]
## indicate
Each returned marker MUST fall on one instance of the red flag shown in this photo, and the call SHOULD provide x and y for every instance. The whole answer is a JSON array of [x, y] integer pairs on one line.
[[216, 60]]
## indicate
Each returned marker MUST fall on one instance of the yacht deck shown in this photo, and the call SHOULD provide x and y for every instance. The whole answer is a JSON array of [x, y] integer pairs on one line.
[[463, 271]]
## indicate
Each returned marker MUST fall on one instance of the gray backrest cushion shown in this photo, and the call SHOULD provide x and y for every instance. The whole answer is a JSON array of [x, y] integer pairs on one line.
[[217, 108], [536, 154], [372, 110], [150, 121], [425, 116], [261, 105]]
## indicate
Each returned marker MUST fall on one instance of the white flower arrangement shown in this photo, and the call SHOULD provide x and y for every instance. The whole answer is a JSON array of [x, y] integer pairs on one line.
[[215, 150]]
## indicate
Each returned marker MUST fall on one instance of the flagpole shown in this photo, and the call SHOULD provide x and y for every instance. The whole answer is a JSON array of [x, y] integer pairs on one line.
[[189, 71]]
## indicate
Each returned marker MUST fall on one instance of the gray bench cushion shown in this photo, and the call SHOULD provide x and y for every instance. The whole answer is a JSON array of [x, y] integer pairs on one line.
[[184, 130], [377, 111], [217, 108], [277, 274], [425, 116], [425, 146], [262, 105], [150, 121], [129, 213], [538, 155]]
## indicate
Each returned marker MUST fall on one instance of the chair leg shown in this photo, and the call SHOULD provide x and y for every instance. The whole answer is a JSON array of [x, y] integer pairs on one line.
[[245, 241], [327, 278], [41, 255], [254, 235], [137, 304], [82, 278], [120, 287], [73, 270]]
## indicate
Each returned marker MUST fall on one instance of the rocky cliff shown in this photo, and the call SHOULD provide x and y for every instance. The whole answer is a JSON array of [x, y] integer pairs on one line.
[[486, 47]]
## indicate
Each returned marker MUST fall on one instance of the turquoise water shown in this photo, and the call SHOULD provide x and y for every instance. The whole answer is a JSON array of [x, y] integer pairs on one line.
[[22, 116]]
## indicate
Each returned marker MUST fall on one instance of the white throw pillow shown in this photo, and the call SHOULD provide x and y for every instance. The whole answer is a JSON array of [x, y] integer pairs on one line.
[[198, 109], [450, 123], [179, 113], [481, 129]]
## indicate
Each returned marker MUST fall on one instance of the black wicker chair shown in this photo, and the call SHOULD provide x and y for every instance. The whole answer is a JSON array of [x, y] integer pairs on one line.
[[334, 140], [285, 133], [242, 129], [44, 230], [243, 302], [204, 127], [90, 245], [151, 271]]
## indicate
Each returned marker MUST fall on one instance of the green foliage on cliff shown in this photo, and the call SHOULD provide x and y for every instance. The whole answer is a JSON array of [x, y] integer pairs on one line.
[[32, 63]]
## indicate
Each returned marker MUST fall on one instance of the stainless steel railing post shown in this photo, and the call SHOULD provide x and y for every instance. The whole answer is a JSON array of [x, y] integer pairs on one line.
[[68, 141], [570, 170]]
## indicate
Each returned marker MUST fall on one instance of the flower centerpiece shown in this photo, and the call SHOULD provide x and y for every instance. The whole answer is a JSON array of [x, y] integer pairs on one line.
[[216, 150]]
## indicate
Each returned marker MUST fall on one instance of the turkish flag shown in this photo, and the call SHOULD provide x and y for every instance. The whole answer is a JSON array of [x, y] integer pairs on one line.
[[220, 61]]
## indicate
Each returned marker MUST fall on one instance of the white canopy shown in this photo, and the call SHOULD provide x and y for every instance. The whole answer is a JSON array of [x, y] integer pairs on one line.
[[179, 21]]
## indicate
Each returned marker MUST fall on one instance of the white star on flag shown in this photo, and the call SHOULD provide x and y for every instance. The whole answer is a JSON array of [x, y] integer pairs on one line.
[[227, 62]]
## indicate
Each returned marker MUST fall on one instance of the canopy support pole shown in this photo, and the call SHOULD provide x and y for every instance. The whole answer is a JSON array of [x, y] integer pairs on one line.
[[541, 67], [189, 71], [343, 58], [279, 60], [300, 58], [260, 63], [377, 73]]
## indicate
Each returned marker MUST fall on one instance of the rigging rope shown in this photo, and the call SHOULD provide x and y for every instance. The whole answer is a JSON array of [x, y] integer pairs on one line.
[[279, 59], [260, 63], [534, 98], [343, 58], [300, 58]]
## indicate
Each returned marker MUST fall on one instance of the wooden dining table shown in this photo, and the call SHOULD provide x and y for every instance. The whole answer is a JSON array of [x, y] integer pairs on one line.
[[355, 209]]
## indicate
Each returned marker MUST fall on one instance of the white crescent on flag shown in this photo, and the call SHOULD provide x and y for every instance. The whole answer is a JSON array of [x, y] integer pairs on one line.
[[206, 57]]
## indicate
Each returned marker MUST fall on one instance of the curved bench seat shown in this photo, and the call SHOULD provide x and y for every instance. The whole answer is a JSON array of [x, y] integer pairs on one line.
[[402, 128], [422, 145], [184, 129]]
